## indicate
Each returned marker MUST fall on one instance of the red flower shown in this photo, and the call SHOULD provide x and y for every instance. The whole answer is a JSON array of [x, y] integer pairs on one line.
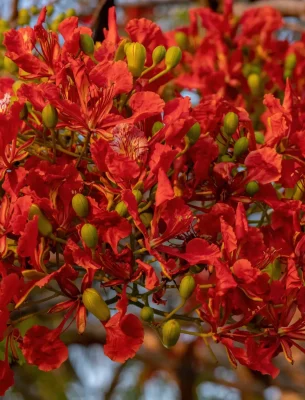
[[6, 377], [41, 346]]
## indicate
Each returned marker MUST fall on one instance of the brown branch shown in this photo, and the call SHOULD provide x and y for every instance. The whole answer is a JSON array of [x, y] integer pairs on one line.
[[14, 12]]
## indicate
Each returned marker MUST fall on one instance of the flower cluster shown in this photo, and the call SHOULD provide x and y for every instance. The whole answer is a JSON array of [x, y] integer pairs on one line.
[[116, 189]]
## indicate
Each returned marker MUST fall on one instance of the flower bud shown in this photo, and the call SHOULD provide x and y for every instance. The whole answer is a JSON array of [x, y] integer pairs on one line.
[[194, 133], [138, 195], [157, 126], [290, 61], [120, 53], [230, 123], [254, 83], [182, 40], [259, 137], [299, 190], [44, 226], [95, 304], [89, 235], [288, 73], [34, 10], [171, 332], [49, 116], [226, 158], [70, 12], [187, 287], [158, 54], [252, 188], [136, 56], [10, 66], [146, 218], [241, 146], [121, 209], [147, 314], [80, 205], [172, 57], [50, 10], [86, 44]]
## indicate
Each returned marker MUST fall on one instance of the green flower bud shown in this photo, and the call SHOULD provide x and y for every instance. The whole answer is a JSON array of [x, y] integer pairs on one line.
[[226, 158], [187, 286], [146, 218], [171, 332], [49, 116], [4, 25], [138, 195], [158, 54], [147, 314], [44, 226], [241, 146], [299, 190], [173, 57], [182, 40], [70, 12], [86, 44], [95, 304], [10, 66], [194, 133], [252, 188], [255, 84], [290, 61], [60, 17], [120, 53], [80, 205], [259, 137], [34, 10], [222, 148], [288, 73], [23, 12], [230, 123], [136, 56], [157, 126], [50, 10], [89, 235], [121, 209]]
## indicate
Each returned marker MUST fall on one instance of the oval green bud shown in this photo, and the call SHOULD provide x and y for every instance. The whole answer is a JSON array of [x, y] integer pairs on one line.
[[34, 10], [259, 137], [241, 146], [158, 54], [147, 314], [173, 57], [95, 304], [138, 195], [182, 40], [50, 10], [60, 17], [299, 190], [89, 235], [10, 66], [288, 73], [226, 158], [121, 209], [187, 286], [157, 126], [170, 333], [252, 188], [86, 44], [255, 84], [120, 53], [49, 116], [44, 226], [70, 12], [146, 218], [230, 123], [290, 61], [194, 133], [136, 56], [80, 205]]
